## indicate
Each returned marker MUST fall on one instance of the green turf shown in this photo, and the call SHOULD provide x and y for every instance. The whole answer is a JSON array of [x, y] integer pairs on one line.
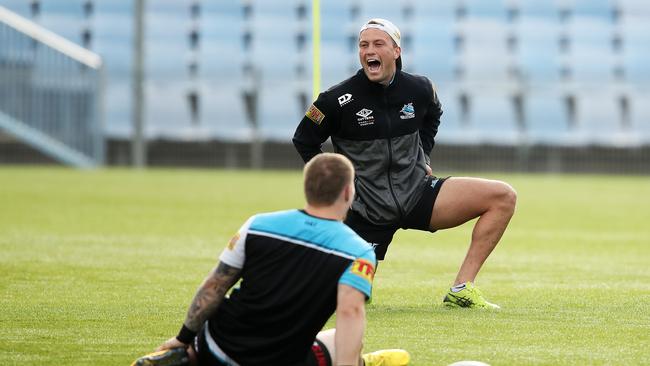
[[98, 267]]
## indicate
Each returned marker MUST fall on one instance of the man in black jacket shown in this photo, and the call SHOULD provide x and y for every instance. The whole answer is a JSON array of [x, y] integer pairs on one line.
[[385, 120]]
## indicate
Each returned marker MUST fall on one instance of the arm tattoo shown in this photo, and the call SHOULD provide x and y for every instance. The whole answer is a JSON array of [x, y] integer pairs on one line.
[[209, 295]]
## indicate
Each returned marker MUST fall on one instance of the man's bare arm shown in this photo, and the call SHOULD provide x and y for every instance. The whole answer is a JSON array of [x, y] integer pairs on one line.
[[210, 294]]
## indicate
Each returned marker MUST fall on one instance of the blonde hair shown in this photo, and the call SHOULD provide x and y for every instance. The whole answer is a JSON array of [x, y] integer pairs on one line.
[[325, 177]]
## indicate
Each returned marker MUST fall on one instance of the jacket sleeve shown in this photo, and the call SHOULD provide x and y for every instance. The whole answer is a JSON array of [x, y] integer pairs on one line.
[[314, 128], [430, 124]]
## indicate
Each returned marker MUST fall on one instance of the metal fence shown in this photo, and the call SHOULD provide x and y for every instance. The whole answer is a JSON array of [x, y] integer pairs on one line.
[[50, 92]]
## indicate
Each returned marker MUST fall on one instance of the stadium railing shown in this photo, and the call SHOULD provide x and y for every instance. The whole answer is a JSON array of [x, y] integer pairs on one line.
[[50, 92]]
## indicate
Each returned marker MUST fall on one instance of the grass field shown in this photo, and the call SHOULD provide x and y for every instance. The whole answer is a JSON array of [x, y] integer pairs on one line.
[[98, 267]]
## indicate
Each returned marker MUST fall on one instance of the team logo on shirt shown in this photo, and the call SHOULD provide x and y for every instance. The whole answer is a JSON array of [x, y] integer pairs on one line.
[[364, 269], [315, 114], [345, 99], [365, 117], [233, 242], [407, 112]]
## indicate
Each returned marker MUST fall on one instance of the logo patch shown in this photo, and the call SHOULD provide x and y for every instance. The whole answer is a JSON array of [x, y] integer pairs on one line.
[[365, 117], [315, 114], [233, 242], [345, 99], [364, 269], [407, 112]]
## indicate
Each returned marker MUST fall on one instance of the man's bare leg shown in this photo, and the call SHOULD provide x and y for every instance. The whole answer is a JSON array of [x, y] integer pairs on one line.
[[464, 199]]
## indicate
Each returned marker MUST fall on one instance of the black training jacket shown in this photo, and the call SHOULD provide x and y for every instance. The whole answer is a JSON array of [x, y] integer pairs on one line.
[[387, 133]]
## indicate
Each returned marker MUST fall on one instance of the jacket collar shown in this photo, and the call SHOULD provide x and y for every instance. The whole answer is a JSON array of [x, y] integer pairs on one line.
[[378, 86]]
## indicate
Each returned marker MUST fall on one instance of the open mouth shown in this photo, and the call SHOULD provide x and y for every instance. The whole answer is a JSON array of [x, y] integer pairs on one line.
[[373, 64]]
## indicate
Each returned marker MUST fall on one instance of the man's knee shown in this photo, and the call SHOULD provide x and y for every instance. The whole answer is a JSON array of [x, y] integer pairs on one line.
[[506, 197]]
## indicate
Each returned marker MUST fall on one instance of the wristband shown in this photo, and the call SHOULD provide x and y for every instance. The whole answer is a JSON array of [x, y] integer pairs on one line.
[[186, 335]]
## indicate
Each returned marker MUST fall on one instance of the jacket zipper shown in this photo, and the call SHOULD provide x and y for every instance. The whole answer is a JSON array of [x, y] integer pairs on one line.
[[390, 158]]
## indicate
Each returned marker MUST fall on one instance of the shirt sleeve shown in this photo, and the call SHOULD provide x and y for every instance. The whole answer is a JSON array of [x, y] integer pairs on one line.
[[429, 128], [234, 254], [360, 273], [314, 128]]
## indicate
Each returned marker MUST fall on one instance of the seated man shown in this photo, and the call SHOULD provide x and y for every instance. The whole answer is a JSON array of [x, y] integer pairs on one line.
[[296, 268]]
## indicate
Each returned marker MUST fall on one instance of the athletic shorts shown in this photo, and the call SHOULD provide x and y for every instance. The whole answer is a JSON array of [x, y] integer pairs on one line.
[[212, 355], [419, 218]]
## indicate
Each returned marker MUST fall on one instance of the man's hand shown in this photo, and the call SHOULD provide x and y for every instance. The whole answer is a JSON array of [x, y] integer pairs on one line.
[[171, 343], [427, 168]]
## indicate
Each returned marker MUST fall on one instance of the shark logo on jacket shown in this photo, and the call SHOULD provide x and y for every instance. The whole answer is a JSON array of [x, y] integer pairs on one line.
[[407, 112]]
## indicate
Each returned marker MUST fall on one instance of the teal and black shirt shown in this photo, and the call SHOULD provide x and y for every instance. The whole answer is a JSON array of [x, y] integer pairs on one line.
[[292, 264]]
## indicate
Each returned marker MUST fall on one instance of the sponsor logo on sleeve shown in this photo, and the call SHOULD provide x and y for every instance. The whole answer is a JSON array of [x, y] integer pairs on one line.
[[364, 269], [407, 112], [315, 114], [233, 242], [345, 99]]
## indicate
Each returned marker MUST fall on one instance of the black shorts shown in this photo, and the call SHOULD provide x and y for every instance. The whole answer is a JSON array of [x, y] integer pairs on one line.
[[418, 218], [317, 356]]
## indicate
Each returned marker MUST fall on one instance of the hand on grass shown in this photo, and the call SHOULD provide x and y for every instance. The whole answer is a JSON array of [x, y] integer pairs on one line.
[[171, 343]]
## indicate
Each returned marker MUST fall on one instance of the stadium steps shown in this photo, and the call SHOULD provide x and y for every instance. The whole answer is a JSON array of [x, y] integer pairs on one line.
[[49, 92]]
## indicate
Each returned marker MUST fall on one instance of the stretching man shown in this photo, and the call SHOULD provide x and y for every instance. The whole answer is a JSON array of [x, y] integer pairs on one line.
[[385, 121], [296, 268]]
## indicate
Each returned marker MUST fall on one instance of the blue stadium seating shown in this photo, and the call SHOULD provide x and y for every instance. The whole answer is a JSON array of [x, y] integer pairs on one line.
[[538, 51], [21, 7], [222, 111], [280, 111], [591, 40], [640, 117], [492, 118], [598, 118], [451, 130], [431, 29], [636, 53], [433, 51], [546, 119], [486, 9]]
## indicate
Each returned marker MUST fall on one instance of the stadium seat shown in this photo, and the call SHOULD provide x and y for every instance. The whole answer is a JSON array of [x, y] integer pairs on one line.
[[636, 53], [223, 112], [451, 131], [387, 9], [538, 51], [280, 111], [338, 60], [640, 117], [20, 7], [167, 47], [493, 9], [599, 119], [485, 57], [274, 29], [167, 107], [546, 10], [591, 40], [592, 8], [546, 119], [492, 118], [433, 52], [336, 64]]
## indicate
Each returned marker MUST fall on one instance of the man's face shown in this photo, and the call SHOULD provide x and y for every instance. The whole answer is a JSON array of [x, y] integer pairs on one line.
[[377, 54]]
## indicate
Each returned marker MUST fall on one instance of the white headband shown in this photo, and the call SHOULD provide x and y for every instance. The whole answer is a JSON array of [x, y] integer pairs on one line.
[[386, 26]]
